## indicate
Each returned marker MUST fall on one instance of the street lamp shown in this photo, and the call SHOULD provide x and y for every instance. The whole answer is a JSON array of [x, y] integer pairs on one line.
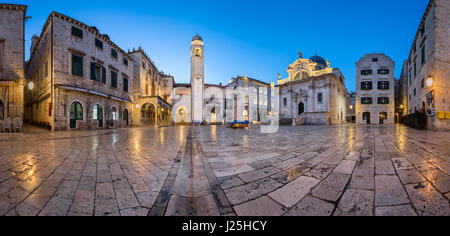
[[351, 107], [137, 106], [30, 85], [429, 82]]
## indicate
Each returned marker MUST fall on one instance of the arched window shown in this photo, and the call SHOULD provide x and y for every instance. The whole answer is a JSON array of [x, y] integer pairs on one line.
[[114, 113], [305, 75], [297, 76], [198, 52], [97, 113], [76, 111], [2, 108]]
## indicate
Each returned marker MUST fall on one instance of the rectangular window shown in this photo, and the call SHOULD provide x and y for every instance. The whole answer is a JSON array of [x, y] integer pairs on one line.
[[374, 59], [415, 69], [77, 32], [383, 100], [125, 61], [98, 73], [383, 85], [113, 53], [113, 79], [366, 85], [383, 71], [125, 84], [423, 55], [366, 100], [415, 92], [366, 72], [423, 83], [414, 47], [320, 98], [284, 101], [99, 44], [77, 65], [422, 30]]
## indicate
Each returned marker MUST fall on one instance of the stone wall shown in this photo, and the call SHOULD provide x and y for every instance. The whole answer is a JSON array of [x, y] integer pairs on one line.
[[12, 76]]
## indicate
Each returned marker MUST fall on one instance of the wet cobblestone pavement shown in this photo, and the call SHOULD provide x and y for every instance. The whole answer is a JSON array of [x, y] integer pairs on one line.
[[307, 170]]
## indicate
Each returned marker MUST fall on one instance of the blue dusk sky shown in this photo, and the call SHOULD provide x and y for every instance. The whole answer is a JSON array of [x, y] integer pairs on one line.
[[246, 37]]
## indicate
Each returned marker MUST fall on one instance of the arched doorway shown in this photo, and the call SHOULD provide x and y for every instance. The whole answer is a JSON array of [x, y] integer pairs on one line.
[[125, 116], [366, 117], [301, 108], [148, 114], [76, 113], [98, 115], [383, 116], [2, 108], [213, 115], [181, 116]]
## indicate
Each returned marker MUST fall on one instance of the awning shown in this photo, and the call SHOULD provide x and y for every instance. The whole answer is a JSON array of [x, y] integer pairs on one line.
[[73, 88]]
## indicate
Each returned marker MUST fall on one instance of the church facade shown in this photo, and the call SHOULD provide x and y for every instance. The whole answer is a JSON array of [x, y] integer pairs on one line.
[[313, 94]]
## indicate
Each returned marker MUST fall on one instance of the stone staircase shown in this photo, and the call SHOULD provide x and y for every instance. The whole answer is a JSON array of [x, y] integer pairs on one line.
[[300, 120]]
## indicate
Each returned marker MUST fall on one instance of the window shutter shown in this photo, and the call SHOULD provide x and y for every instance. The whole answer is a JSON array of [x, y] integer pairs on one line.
[[103, 75], [93, 71]]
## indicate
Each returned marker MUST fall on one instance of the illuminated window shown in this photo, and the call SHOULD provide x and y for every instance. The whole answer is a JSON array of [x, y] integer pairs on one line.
[[366, 85], [76, 111], [114, 113], [383, 85], [366, 100], [383, 100], [98, 113], [198, 52]]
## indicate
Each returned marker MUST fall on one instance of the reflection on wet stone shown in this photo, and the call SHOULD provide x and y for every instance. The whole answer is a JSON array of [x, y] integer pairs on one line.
[[303, 170]]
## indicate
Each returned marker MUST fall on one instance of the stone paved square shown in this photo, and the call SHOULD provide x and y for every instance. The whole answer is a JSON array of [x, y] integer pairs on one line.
[[299, 170]]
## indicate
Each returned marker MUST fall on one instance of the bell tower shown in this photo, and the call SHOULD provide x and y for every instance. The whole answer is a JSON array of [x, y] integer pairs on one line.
[[197, 78]]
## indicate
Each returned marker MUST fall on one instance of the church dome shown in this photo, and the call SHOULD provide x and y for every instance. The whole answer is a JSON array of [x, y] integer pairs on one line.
[[318, 60], [197, 37]]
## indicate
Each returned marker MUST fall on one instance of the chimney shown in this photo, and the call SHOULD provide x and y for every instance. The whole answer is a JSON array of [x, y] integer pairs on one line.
[[34, 40]]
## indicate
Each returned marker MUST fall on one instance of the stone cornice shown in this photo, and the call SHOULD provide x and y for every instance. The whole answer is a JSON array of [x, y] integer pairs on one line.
[[80, 24], [15, 7]]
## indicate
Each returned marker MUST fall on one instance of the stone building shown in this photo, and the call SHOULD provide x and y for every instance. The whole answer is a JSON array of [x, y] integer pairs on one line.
[[375, 89], [402, 92], [313, 94], [257, 98], [82, 79], [428, 67], [152, 92], [351, 105], [12, 75]]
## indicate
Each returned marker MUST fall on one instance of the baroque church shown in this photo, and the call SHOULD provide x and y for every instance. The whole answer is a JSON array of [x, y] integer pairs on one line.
[[313, 94]]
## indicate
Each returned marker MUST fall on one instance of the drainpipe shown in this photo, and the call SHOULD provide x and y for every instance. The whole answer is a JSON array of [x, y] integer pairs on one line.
[[52, 81]]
